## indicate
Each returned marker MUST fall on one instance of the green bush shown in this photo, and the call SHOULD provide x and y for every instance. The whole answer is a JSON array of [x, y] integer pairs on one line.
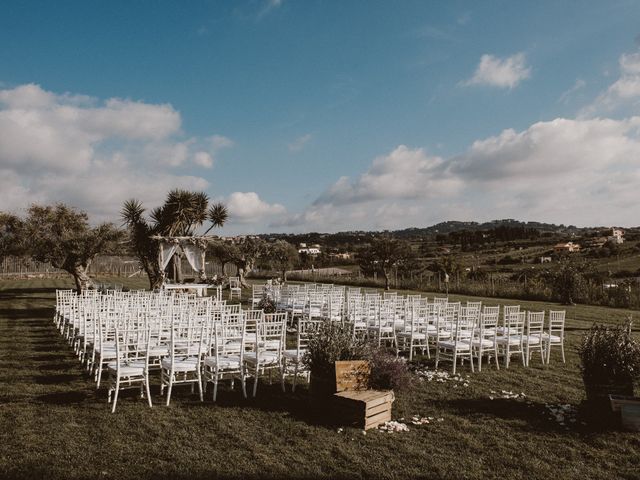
[[609, 355], [331, 343]]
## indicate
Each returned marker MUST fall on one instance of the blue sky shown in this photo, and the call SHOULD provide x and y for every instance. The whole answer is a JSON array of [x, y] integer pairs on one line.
[[325, 115]]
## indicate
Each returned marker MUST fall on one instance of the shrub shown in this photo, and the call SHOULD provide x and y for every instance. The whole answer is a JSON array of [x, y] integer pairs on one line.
[[609, 356], [388, 371], [331, 343], [267, 304]]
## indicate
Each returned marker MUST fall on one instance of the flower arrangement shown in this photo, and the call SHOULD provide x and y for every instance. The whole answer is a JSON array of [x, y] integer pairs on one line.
[[335, 342], [609, 360], [267, 304], [388, 372], [331, 343]]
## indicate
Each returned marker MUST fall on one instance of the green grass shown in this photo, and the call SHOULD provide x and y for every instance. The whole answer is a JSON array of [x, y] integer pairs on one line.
[[54, 424]]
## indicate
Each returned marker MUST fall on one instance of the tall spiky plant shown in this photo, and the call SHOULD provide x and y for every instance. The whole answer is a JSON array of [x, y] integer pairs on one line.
[[182, 213]]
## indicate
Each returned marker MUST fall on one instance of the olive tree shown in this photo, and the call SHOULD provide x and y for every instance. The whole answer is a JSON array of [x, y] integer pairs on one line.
[[61, 235], [11, 235], [245, 254], [383, 255], [283, 256]]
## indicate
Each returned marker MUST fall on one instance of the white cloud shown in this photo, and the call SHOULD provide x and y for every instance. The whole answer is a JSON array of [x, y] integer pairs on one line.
[[503, 73], [218, 142], [567, 94], [247, 207], [268, 6], [404, 173], [622, 95], [203, 159], [93, 154], [579, 171], [299, 143]]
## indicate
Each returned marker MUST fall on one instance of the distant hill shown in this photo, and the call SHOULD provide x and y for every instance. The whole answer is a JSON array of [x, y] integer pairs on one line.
[[456, 226], [358, 236]]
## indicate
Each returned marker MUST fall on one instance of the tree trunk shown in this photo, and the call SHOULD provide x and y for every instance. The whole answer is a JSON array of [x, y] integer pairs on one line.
[[284, 275], [82, 279], [386, 279]]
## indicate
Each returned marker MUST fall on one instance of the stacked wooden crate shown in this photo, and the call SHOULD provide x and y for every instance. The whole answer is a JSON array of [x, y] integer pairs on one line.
[[354, 404]]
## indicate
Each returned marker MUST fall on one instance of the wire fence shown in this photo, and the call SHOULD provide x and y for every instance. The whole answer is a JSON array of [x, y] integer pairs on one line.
[[113, 266]]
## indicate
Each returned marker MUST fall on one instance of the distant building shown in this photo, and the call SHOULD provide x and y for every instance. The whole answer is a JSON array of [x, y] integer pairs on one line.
[[568, 247], [341, 256], [617, 236], [313, 251], [545, 259]]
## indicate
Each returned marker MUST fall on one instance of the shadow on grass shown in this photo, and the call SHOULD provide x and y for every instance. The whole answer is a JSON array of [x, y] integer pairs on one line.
[[26, 291], [270, 398], [34, 314], [57, 379], [534, 415], [65, 398]]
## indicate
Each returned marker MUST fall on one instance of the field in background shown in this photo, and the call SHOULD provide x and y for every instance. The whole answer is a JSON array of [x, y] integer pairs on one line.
[[54, 423]]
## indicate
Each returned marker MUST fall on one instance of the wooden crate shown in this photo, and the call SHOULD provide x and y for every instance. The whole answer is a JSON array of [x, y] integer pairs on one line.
[[630, 416], [352, 375], [364, 408], [618, 400]]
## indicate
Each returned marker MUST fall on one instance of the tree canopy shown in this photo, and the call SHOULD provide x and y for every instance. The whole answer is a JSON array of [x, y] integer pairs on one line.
[[383, 255], [61, 235]]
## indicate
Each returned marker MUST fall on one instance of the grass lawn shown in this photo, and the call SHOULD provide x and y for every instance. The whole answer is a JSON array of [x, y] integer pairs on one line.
[[54, 424]]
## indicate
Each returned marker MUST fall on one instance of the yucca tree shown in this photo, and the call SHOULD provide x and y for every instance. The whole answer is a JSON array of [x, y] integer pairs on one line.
[[182, 213]]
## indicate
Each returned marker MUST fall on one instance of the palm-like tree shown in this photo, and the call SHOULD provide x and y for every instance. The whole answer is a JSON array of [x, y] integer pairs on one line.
[[182, 213]]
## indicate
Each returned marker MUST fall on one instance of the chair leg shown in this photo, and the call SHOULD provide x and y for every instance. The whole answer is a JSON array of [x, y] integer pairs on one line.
[[295, 376], [255, 384], [479, 360], [243, 383], [99, 373], [115, 396], [146, 384], [200, 391], [455, 361], [495, 353], [548, 352], [562, 350], [282, 377], [471, 360], [169, 389], [215, 387]]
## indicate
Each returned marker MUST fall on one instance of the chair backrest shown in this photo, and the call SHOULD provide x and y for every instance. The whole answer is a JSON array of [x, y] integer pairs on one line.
[[535, 323], [271, 333], [132, 343], [306, 331], [514, 324], [508, 311], [488, 324], [491, 310], [232, 309], [556, 322]]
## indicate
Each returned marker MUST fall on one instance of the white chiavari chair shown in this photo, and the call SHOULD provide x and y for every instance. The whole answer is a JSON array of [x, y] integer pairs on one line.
[[511, 339], [484, 342], [130, 368], [532, 338], [554, 336], [268, 342]]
